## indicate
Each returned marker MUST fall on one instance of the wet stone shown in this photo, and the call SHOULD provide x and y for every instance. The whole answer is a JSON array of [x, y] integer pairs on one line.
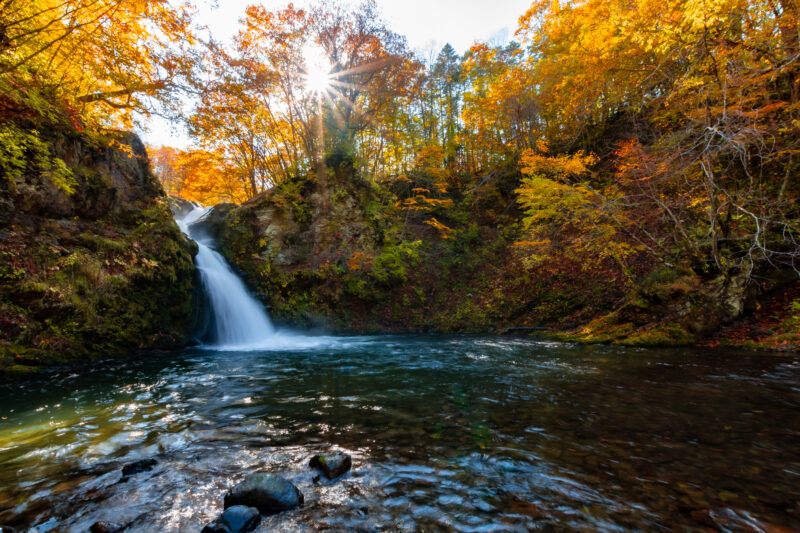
[[269, 493], [236, 519], [138, 467], [484, 506], [105, 527], [702, 516], [332, 464]]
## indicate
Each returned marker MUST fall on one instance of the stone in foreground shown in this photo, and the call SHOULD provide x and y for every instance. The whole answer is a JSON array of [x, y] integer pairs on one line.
[[138, 467], [105, 527], [332, 464], [266, 492], [236, 519]]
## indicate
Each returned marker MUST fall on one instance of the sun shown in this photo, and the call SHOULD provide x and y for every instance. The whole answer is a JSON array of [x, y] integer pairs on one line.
[[317, 81], [317, 75]]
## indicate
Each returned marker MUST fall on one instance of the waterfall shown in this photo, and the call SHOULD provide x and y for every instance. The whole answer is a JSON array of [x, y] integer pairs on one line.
[[239, 320]]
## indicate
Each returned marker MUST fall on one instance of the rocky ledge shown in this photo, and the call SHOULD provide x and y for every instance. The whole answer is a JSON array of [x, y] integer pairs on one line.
[[92, 264]]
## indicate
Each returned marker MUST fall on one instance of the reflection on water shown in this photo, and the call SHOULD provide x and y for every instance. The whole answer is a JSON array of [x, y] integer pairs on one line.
[[447, 434]]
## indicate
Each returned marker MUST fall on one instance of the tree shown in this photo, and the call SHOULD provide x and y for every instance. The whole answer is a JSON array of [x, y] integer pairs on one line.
[[99, 61], [445, 85], [198, 175], [500, 110], [564, 214], [164, 162], [711, 94], [257, 111]]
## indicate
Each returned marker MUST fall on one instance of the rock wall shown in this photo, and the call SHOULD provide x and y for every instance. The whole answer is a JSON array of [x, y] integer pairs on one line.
[[92, 264], [360, 266], [293, 250]]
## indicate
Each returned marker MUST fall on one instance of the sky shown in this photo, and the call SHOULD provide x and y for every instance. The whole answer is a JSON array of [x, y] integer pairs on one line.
[[427, 24]]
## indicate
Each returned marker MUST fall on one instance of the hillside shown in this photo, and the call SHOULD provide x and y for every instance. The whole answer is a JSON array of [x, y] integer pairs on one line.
[[92, 264]]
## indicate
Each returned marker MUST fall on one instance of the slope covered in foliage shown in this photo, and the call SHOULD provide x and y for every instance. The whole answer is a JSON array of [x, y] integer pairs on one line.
[[362, 263], [641, 156], [91, 262]]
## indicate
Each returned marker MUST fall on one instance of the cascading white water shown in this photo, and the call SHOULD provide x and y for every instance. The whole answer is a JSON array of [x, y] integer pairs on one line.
[[239, 319], [240, 322]]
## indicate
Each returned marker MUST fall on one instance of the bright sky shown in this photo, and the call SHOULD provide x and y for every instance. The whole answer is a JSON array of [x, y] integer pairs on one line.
[[427, 24]]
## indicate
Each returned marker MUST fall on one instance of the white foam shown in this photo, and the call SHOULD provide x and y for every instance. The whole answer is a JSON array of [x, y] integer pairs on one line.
[[240, 322]]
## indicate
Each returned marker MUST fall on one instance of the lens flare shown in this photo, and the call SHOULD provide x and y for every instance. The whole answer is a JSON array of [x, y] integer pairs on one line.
[[317, 75]]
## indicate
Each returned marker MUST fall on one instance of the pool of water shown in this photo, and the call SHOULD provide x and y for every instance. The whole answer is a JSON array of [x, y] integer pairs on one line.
[[446, 433]]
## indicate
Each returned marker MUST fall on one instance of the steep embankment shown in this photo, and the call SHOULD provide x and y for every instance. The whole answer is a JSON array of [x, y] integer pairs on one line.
[[674, 307], [92, 263], [361, 264]]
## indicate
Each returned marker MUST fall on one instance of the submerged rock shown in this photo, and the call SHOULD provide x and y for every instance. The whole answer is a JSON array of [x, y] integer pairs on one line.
[[138, 467], [236, 519], [105, 527], [269, 493], [333, 464]]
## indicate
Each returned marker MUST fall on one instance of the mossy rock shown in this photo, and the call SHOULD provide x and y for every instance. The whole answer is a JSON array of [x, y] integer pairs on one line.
[[671, 334], [100, 272]]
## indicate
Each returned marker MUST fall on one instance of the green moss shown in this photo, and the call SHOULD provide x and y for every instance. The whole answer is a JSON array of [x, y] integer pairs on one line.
[[603, 330], [79, 288], [669, 334], [17, 370], [290, 195], [392, 265]]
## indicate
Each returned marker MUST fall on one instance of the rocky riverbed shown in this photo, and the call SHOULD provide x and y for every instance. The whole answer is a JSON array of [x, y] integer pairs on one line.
[[444, 434]]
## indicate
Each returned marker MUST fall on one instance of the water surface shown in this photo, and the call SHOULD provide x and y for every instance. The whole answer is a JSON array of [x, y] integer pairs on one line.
[[447, 434]]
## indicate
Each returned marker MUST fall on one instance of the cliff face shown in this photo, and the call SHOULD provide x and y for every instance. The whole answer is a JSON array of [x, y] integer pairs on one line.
[[360, 265], [92, 263], [294, 249]]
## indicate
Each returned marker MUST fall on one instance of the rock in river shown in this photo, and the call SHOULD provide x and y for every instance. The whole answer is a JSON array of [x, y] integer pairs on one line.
[[236, 519], [332, 464], [266, 492], [105, 527], [139, 466]]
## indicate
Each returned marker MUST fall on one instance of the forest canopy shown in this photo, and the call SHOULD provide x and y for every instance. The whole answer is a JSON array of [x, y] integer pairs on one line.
[[656, 131]]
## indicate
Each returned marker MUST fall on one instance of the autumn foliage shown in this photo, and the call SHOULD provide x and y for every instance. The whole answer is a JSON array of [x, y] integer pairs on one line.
[[643, 132], [695, 104], [96, 62], [197, 175]]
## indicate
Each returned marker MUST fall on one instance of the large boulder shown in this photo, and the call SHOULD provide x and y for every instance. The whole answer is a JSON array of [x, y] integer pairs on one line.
[[269, 493], [236, 519], [309, 253], [180, 207]]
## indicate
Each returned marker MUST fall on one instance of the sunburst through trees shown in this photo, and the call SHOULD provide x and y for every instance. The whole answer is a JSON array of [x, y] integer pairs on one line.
[[298, 84]]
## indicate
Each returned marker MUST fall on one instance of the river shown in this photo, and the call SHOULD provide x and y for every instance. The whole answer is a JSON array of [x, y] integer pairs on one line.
[[446, 434]]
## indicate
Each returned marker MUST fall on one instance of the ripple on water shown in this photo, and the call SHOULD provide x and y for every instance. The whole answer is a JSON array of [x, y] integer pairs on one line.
[[447, 434]]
